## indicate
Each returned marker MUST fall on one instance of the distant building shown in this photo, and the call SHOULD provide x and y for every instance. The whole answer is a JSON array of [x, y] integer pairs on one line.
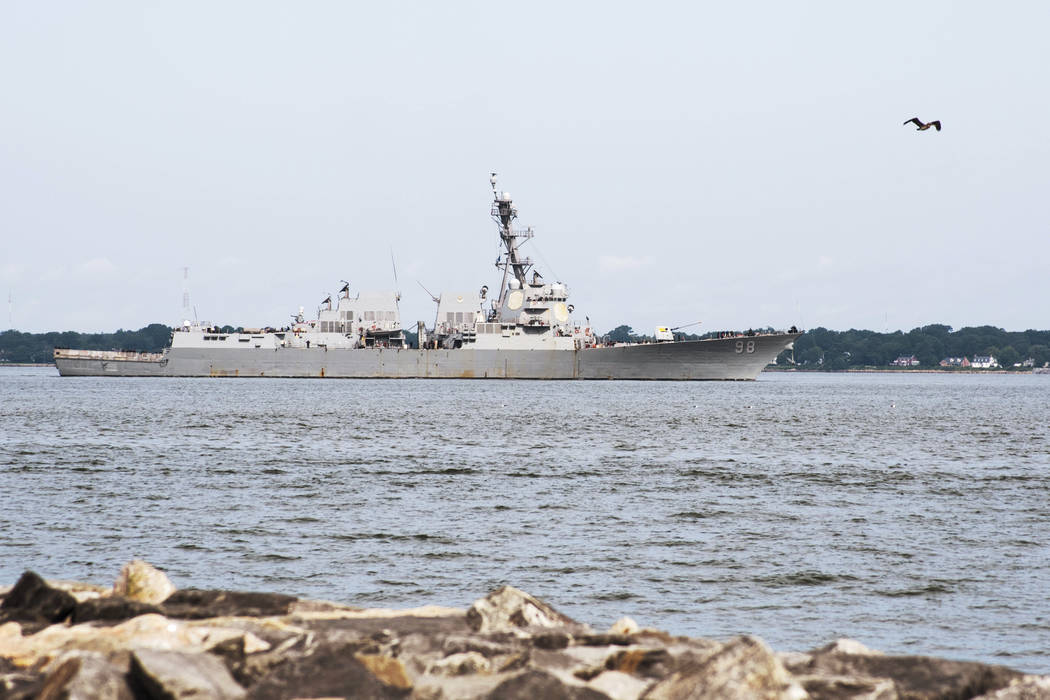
[[906, 361], [984, 362], [1027, 363], [955, 362]]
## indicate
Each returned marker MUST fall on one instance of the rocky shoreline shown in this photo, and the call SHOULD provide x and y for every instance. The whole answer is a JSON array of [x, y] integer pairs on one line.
[[142, 638]]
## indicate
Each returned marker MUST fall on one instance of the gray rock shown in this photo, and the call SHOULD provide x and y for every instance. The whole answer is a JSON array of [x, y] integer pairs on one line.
[[1026, 688], [32, 600], [742, 668], [914, 677], [508, 608], [87, 676], [171, 675], [536, 683], [194, 604], [18, 684], [327, 671], [848, 688], [619, 686], [114, 609]]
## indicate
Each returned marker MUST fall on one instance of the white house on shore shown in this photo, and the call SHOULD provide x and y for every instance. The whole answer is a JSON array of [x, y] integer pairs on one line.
[[984, 362]]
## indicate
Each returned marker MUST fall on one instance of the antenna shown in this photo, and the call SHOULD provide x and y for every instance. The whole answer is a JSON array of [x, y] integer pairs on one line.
[[436, 299], [397, 287], [186, 295]]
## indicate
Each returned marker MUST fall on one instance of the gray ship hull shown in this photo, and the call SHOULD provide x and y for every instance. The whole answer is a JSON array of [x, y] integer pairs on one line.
[[740, 357]]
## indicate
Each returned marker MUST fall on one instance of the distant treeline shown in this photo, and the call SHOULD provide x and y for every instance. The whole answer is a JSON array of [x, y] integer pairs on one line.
[[835, 350], [819, 348]]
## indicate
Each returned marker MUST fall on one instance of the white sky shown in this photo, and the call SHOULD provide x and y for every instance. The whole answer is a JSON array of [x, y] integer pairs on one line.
[[743, 164]]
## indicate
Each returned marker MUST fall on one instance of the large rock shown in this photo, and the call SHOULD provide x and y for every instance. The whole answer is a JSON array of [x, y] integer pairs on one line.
[[113, 609], [1025, 688], [87, 676], [143, 632], [508, 608], [194, 604], [828, 671], [331, 671], [743, 668], [32, 600], [537, 683], [17, 683], [172, 675], [141, 581]]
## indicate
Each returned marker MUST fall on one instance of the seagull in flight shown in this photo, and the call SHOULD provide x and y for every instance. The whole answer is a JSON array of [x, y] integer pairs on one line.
[[936, 124]]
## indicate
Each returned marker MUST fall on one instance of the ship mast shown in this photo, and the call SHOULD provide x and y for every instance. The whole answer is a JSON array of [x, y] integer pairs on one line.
[[503, 213]]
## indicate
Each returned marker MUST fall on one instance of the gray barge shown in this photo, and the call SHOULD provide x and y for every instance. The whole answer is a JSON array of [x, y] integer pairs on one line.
[[525, 332]]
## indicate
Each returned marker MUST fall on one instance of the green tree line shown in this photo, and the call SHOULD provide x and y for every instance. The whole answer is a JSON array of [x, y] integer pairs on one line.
[[819, 348]]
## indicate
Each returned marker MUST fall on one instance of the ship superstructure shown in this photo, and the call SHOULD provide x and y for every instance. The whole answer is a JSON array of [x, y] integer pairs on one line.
[[528, 313]]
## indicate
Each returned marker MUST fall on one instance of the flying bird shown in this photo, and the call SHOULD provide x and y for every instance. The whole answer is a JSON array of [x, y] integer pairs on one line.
[[936, 124]]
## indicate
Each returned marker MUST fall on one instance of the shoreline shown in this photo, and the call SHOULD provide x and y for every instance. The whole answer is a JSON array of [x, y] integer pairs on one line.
[[142, 638]]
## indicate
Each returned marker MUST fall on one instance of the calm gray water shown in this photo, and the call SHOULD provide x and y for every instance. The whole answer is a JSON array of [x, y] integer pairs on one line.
[[911, 512]]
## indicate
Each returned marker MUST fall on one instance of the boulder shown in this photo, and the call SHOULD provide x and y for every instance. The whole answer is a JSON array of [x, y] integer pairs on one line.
[[33, 600], [113, 609], [142, 582], [1024, 688], [327, 671], [915, 677], [143, 632], [848, 688], [173, 675], [86, 676], [508, 608], [618, 685], [624, 626], [537, 683], [743, 668], [16, 682], [194, 604]]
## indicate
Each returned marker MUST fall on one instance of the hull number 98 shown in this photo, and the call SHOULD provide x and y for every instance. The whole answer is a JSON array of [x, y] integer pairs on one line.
[[741, 346]]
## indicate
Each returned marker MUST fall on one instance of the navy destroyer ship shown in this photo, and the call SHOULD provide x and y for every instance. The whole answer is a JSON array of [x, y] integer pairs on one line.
[[525, 331]]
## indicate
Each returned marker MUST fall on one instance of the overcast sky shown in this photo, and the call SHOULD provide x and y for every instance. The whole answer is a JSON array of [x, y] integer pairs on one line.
[[741, 164]]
